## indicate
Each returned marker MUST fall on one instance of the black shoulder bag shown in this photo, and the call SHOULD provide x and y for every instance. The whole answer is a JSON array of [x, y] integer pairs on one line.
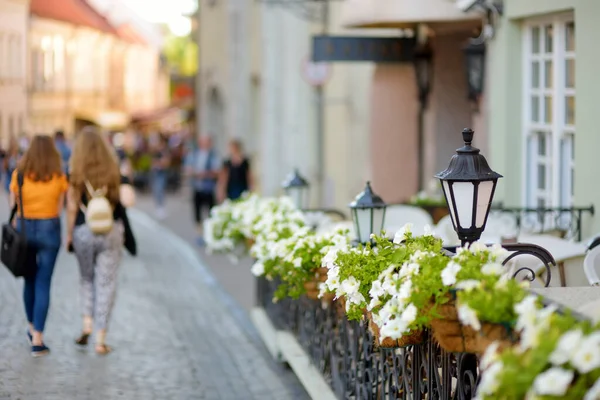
[[15, 252]]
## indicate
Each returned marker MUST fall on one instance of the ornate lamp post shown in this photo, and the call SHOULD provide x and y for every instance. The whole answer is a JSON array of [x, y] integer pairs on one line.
[[475, 69], [368, 214], [469, 185], [423, 63], [296, 187]]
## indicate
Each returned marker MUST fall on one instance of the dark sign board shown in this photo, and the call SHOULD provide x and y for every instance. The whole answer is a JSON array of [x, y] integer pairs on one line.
[[353, 49]]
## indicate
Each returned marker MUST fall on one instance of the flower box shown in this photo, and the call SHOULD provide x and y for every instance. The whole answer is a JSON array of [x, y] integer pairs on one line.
[[500, 333], [449, 332], [411, 339]]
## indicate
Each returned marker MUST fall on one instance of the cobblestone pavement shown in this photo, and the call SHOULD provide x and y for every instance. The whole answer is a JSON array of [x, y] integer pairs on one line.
[[236, 278], [173, 334]]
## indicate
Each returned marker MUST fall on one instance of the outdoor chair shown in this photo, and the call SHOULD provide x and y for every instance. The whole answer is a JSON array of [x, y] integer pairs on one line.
[[567, 254], [590, 265], [396, 216]]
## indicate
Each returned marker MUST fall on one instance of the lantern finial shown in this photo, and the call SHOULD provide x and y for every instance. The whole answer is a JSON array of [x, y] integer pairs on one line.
[[467, 135]]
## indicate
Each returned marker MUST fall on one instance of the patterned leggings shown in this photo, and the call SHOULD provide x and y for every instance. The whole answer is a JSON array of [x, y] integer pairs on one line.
[[99, 257]]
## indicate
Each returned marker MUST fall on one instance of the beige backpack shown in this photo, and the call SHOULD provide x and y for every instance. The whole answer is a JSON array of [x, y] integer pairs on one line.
[[99, 211]]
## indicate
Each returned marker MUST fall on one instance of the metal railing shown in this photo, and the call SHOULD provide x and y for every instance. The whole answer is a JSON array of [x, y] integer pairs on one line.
[[344, 352], [567, 221]]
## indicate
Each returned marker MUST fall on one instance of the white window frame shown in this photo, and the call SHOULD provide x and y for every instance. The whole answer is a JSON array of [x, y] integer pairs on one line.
[[557, 128]]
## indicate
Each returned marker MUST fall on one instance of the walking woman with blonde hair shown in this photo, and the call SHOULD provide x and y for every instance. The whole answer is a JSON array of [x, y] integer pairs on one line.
[[40, 180], [95, 229]]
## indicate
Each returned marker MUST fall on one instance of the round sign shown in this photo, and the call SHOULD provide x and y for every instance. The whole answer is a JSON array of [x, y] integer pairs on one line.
[[316, 73]]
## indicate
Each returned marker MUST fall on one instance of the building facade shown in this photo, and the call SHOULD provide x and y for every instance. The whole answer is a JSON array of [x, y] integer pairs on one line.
[[83, 70], [14, 15], [543, 93], [395, 126]]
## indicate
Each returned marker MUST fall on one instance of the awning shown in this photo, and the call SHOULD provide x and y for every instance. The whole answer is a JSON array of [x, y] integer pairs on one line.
[[105, 118], [402, 13]]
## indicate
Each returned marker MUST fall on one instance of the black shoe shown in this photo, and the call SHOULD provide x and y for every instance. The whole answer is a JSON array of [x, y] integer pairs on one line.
[[39, 351]]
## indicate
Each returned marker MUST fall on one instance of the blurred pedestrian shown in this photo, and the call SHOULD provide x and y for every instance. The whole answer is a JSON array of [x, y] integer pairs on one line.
[[95, 174], [203, 166], [161, 160], [236, 177], [43, 190], [63, 149], [10, 162]]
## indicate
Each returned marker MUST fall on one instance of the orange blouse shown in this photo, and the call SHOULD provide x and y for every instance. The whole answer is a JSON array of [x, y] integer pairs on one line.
[[41, 200]]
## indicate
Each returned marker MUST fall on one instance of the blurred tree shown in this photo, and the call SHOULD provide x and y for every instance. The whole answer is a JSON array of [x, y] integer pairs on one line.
[[182, 55]]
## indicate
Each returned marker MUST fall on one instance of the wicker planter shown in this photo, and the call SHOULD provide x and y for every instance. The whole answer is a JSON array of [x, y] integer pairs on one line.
[[448, 331], [491, 333], [312, 287], [410, 339]]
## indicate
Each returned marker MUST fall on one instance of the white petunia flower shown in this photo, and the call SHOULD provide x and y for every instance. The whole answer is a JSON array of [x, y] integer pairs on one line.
[[492, 269], [553, 382], [490, 356], [376, 290], [258, 269], [297, 262], [594, 392], [350, 285], [449, 273], [566, 346], [403, 233], [489, 380], [477, 247], [409, 315], [427, 231], [586, 358], [468, 285], [468, 317], [394, 329]]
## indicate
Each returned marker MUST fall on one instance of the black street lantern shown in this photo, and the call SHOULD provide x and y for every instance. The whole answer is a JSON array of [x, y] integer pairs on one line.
[[423, 62], [296, 187], [368, 213], [469, 186], [475, 66]]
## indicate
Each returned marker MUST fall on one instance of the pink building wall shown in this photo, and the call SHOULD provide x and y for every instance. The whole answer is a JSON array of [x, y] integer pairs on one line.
[[394, 124], [394, 107]]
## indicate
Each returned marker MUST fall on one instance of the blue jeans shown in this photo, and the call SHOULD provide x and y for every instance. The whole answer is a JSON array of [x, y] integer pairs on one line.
[[43, 237], [159, 184]]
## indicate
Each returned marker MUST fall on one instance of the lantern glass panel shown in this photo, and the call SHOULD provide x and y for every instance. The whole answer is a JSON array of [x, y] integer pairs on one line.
[[463, 196], [378, 220], [446, 188], [297, 195], [484, 197], [364, 218]]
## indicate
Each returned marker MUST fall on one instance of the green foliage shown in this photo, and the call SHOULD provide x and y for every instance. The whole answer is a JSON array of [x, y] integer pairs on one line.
[[494, 299]]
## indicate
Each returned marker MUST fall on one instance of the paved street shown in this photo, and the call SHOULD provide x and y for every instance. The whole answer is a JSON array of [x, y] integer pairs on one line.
[[236, 279], [176, 335]]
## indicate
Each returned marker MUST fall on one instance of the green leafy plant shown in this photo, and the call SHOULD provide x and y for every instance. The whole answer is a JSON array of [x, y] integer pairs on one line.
[[559, 359]]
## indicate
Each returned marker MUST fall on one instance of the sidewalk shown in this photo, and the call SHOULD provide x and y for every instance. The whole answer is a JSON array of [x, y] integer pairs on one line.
[[173, 334]]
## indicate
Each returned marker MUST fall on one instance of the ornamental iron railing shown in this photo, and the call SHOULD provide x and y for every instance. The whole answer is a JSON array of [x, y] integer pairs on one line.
[[344, 352], [567, 222]]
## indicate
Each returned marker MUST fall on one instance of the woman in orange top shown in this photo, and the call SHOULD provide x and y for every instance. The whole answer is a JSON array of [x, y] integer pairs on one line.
[[43, 190]]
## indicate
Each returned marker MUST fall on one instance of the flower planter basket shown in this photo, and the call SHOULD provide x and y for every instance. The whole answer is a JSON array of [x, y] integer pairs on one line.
[[249, 243], [312, 286], [448, 331], [413, 338], [491, 333]]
